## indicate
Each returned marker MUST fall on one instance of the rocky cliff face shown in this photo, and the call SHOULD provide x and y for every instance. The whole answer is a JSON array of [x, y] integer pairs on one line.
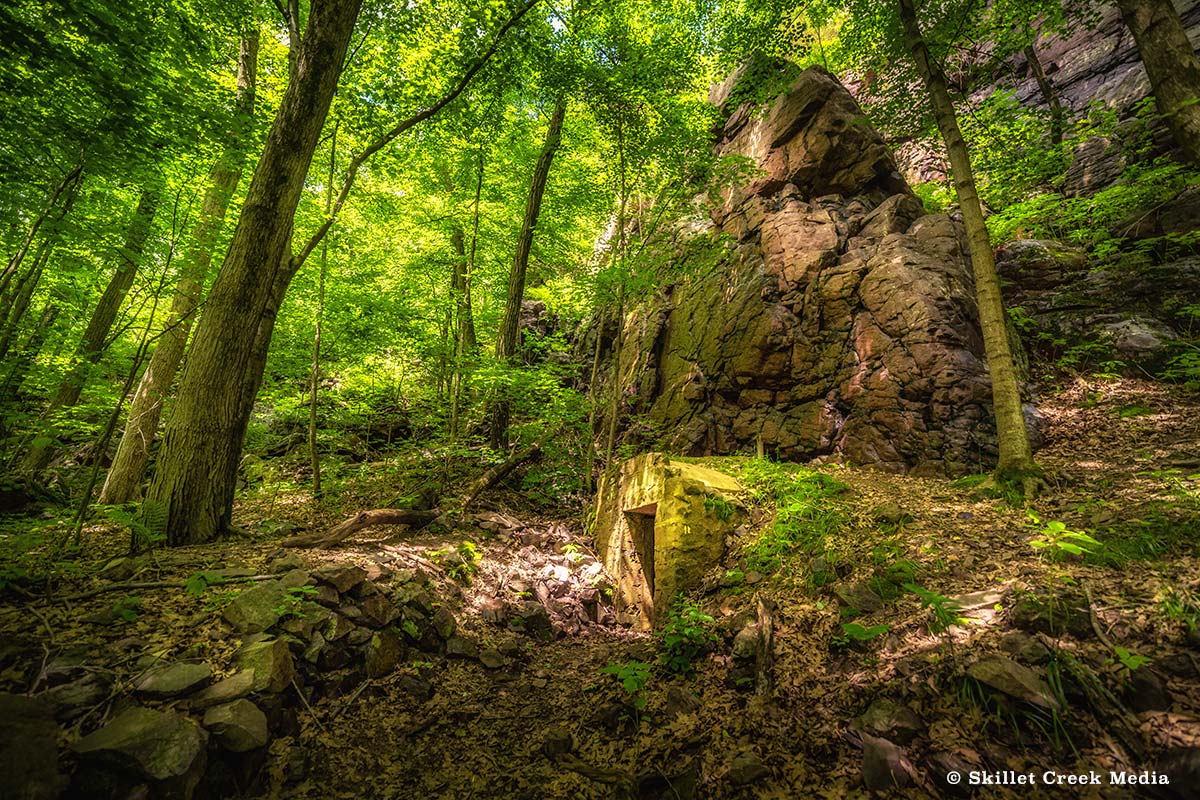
[[1092, 63], [840, 320]]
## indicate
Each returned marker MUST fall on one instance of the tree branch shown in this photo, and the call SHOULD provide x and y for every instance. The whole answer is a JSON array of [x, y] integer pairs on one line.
[[385, 139]]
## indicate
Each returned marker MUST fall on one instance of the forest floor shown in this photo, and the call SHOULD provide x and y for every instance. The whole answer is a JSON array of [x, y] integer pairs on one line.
[[506, 704]]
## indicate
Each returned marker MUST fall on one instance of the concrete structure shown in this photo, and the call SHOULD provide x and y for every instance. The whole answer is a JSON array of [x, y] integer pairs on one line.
[[660, 526]]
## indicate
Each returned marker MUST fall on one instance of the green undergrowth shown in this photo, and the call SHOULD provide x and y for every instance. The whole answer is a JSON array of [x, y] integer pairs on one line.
[[806, 511]]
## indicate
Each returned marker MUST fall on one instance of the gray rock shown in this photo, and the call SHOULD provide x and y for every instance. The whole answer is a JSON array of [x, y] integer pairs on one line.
[[295, 578], [747, 768], [157, 745], [890, 720], [884, 765], [384, 653], [256, 609], [891, 514], [69, 700], [1013, 679], [557, 741], [1025, 648], [492, 659], [271, 663], [534, 620], [1140, 339], [461, 647], [121, 569], [171, 680], [378, 611], [226, 690], [1182, 766], [860, 596], [285, 562], [1147, 691], [745, 644], [237, 726], [416, 686], [28, 749], [342, 577]]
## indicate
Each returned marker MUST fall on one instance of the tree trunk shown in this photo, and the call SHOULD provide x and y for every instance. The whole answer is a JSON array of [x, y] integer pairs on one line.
[[1015, 453], [1049, 94], [314, 457], [71, 179], [23, 294], [93, 342], [506, 342], [1172, 66], [195, 479], [145, 411], [465, 343], [28, 352]]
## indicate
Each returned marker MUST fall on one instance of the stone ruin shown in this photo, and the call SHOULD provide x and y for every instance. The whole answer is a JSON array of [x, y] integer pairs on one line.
[[839, 320], [661, 525]]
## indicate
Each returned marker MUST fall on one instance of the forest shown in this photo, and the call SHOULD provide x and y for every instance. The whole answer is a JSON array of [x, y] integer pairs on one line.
[[636, 399]]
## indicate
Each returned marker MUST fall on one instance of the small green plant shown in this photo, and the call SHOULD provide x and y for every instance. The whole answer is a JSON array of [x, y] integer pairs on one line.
[[1181, 605], [1131, 661], [410, 628], [945, 611], [853, 632], [719, 507], [633, 676], [126, 609], [687, 632], [1057, 541], [462, 563], [806, 511]]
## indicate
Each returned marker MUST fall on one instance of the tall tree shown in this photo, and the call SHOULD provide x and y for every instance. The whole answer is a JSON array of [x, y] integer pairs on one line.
[[507, 341], [133, 451], [194, 481], [95, 336], [1016, 456], [1172, 66]]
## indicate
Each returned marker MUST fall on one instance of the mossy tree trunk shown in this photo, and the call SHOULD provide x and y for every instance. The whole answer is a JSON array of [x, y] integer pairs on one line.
[[507, 341], [133, 452], [1015, 453], [196, 475], [1172, 66], [94, 340]]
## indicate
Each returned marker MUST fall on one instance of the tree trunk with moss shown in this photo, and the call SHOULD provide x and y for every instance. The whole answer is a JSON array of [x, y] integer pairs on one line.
[[1172, 66], [194, 482], [94, 340], [133, 452], [1015, 453], [507, 341]]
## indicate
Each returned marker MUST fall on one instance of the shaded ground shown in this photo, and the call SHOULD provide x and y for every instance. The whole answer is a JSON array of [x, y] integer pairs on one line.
[[1123, 459]]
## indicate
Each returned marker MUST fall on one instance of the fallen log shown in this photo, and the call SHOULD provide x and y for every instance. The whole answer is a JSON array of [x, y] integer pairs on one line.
[[363, 519], [443, 515]]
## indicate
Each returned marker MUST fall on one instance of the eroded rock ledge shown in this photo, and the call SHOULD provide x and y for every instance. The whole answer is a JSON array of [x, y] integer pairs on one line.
[[839, 321]]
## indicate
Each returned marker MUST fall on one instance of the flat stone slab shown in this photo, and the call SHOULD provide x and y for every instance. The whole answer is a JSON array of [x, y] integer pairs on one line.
[[172, 680]]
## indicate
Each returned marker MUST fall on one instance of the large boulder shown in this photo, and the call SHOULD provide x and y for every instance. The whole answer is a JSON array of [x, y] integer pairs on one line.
[[166, 751], [823, 313]]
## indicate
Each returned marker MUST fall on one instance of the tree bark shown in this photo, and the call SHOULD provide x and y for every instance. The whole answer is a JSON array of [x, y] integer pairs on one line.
[[195, 479], [1013, 439], [133, 452], [94, 340], [506, 342], [1172, 66], [1049, 94], [465, 343], [314, 457], [14, 263], [22, 295]]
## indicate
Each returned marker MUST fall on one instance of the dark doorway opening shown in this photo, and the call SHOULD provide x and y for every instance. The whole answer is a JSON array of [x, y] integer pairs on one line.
[[641, 528]]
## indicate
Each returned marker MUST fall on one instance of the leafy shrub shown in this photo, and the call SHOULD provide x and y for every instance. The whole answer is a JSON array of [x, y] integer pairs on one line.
[[687, 632], [805, 512]]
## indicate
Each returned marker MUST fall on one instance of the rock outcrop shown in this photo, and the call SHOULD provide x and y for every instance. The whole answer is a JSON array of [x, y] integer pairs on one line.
[[839, 318]]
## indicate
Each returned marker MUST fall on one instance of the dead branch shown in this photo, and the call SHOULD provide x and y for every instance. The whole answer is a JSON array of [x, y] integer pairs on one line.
[[363, 519], [764, 677], [414, 519]]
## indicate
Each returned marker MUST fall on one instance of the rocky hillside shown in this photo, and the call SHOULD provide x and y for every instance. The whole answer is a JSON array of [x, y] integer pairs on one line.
[[840, 319]]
